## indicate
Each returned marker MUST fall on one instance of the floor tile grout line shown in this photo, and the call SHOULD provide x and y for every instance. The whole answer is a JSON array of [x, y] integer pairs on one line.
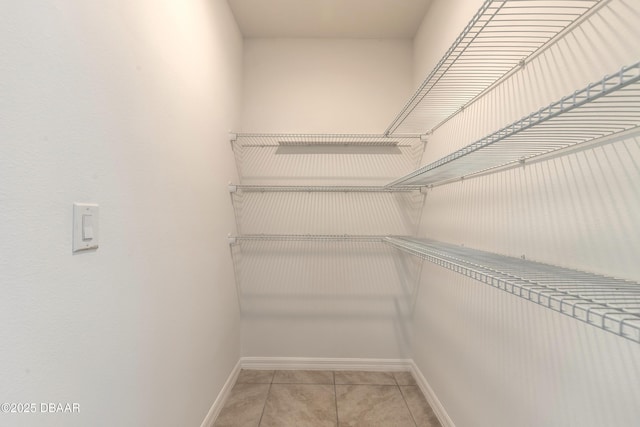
[[380, 385], [264, 407], [335, 398], [404, 399]]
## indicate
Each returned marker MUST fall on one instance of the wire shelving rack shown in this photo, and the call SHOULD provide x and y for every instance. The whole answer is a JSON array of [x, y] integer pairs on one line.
[[502, 36], [306, 238], [327, 209], [603, 108], [320, 188], [497, 40], [605, 302], [263, 140]]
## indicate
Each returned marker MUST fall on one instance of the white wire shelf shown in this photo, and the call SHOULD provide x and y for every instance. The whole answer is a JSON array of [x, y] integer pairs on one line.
[[603, 108], [607, 303], [264, 140], [356, 210], [324, 159], [306, 238], [319, 188], [497, 40]]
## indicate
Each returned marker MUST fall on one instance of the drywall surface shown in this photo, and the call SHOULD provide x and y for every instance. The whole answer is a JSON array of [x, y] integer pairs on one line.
[[324, 85], [491, 358], [325, 299], [128, 105]]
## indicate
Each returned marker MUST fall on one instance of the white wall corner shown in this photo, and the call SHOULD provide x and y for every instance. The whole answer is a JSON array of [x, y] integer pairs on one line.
[[431, 397], [218, 404]]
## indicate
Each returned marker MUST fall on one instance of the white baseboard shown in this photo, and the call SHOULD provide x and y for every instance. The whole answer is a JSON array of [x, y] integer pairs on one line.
[[331, 364], [215, 409], [431, 397]]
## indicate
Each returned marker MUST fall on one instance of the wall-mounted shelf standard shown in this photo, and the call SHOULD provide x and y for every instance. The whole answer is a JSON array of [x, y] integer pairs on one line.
[[601, 109], [499, 38], [607, 303], [324, 159]]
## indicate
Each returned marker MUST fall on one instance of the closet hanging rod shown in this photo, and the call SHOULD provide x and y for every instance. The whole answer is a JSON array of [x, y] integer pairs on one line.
[[608, 303], [500, 38], [603, 108]]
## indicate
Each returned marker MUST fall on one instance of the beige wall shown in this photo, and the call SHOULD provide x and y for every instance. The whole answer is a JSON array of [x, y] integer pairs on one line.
[[324, 85], [128, 105]]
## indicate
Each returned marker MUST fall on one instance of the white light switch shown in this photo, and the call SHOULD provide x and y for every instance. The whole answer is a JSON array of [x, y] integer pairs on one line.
[[85, 226]]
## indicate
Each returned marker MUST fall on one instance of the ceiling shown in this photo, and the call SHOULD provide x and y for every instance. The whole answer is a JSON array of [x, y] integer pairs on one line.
[[329, 18]]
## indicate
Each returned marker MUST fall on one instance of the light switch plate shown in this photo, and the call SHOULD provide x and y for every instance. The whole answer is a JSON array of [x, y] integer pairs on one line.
[[85, 226]]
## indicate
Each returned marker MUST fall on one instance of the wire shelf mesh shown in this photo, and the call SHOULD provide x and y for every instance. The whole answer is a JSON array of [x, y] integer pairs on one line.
[[603, 108], [308, 238], [324, 159], [310, 140], [327, 210], [323, 188], [497, 39], [605, 302]]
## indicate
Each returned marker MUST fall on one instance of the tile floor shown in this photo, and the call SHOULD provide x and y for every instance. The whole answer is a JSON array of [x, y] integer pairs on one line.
[[326, 398]]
